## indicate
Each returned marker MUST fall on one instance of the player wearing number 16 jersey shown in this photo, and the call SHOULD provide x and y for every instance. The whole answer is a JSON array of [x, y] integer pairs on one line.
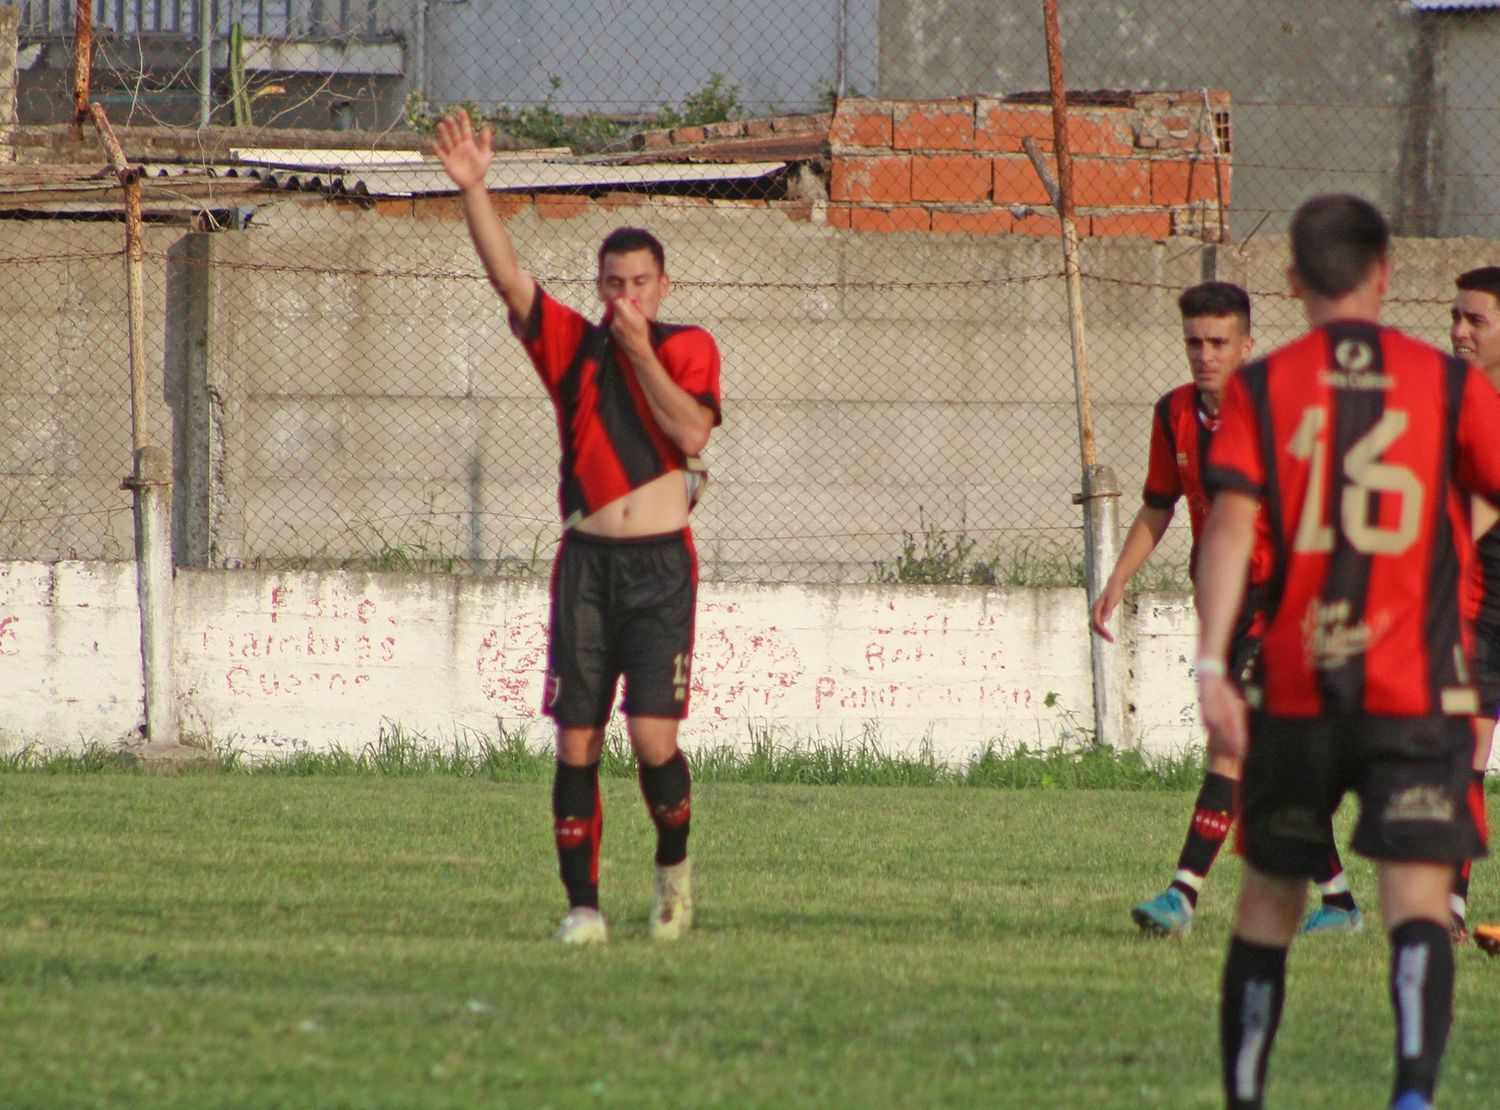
[[1364, 446]]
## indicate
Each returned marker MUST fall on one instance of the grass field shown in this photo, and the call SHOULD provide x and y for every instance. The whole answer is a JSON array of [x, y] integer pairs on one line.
[[381, 940]]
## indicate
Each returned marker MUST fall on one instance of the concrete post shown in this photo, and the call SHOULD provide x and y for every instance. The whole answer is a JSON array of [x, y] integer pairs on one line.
[[152, 486], [10, 25], [1101, 532]]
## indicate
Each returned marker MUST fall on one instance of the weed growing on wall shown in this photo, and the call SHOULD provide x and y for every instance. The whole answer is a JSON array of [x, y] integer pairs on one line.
[[936, 557]]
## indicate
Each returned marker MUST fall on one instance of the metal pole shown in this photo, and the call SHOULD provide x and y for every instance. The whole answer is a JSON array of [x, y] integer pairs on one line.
[[205, 61], [841, 63], [151, 475], [1099, 494], [83, 63]]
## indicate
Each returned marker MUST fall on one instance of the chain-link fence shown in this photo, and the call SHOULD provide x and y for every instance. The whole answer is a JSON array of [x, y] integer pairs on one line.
[[848, 205]]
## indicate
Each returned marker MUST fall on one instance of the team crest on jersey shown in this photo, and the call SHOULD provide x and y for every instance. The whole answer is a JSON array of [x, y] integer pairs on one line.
[[1353, 359], [1330, 638]]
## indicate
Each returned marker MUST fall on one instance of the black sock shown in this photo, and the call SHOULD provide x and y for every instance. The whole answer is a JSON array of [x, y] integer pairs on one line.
[[1333, 886], [1213, 813], [577, 825], [668, 791], [1476, 803], [1422, 995], [1254, 988]]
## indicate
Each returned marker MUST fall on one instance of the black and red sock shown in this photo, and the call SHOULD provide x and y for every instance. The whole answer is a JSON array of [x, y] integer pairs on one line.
[[668, 791], [1213, 813], [577, 826]]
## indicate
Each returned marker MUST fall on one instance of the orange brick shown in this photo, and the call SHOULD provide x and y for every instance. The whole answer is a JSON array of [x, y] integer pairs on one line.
[[1101, 184], [388, 206], [1002, 127], [561, 206], [1102, 131], [890, 219], [958, 178], [1148, 225], [1016, 182], [437, 208], [884, 178], [507, 205], [1044, 226], [1177, 182], [757, 128], [797, 211], [620, 199], [990, 221], [682, 135], [863, 123], [933, 125], [838, 215]]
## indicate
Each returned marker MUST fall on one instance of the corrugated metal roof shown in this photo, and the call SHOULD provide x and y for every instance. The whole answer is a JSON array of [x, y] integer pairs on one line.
[[508, 175]]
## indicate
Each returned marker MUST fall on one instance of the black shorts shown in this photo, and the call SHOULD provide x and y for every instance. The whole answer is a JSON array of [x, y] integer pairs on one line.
[[1411, 774], [1487, 667], [621, 607]]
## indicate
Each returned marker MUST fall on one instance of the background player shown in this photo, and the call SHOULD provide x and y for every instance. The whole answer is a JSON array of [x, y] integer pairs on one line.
[[1216, 334], [1364, 446], [636, 400], [1475, 336]]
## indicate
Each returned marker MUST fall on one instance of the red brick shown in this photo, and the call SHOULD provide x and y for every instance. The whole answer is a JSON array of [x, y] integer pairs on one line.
[[934, 125], [1149, 225], [561, 206], [958, 178], [757, 128], [1016, 182], [890, 219], [1042, 225], [838, 215], [1100, 184], [402, 208], [863, 123], [682, 135], [1002, 126], [1102, 131], [435, 208], [990, 221], [653, 140], [620, 199], [507, 205], [1178, 182], [884, 178]]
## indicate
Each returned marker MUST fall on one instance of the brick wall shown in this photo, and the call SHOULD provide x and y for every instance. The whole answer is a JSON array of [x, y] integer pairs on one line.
[[1144, 164]]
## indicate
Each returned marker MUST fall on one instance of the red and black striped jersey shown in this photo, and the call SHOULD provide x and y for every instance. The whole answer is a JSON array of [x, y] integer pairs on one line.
[[1363, 446], [1483, 605], [611, 443], [1181, 431]]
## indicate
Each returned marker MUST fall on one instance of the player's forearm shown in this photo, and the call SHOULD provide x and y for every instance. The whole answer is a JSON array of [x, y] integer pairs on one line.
[[1145, 532], [1223, 561], [686, 421], [497, 251]]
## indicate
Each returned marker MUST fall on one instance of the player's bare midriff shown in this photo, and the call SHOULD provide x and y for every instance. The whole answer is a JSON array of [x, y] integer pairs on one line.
[[661, 505]]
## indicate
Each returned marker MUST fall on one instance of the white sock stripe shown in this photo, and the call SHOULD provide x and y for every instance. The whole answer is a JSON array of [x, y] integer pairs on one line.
[[1339, 884], [1411, 977], [1255, 1022], [1187, 878]]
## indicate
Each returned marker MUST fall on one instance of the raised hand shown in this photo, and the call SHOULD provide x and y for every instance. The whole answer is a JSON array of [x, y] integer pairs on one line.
[[464, 154]]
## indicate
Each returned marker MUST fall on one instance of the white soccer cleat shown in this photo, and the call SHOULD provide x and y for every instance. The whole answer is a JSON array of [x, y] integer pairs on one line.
[[672, 907], [583, 925]]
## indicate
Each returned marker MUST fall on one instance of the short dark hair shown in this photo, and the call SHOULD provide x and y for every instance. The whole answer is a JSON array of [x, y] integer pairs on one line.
[[1486, 279], [1216, 298], [623, 240], [1336, 240]]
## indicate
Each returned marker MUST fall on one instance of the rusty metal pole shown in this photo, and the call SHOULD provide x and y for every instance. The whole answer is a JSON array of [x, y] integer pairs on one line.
[[150, 480], [1100, 493], [83, 64]]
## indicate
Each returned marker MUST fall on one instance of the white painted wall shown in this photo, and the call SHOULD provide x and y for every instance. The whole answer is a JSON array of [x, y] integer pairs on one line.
[[277, 662]]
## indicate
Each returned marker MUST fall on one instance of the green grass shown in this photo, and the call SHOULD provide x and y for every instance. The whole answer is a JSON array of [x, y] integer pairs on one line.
[[378, 938]]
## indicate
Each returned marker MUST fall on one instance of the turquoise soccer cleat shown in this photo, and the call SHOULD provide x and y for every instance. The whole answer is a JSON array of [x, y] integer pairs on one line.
[[1331, 919], [1166, 915]]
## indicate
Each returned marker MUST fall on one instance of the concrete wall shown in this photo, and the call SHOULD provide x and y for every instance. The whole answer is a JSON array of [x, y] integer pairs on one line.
[[334, 380], [278, 662]]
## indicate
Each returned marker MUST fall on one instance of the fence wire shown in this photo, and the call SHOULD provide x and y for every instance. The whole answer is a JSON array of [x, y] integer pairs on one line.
[[859, 227]]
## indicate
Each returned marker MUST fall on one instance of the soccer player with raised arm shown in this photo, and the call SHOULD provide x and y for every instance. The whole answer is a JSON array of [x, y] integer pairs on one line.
[[1475, 337], [1216, 334], [1365, 447], [636, 399]]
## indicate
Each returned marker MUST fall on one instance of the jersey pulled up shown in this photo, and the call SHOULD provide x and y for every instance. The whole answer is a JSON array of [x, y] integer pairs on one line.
[[611, 442], [1363, 446]]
